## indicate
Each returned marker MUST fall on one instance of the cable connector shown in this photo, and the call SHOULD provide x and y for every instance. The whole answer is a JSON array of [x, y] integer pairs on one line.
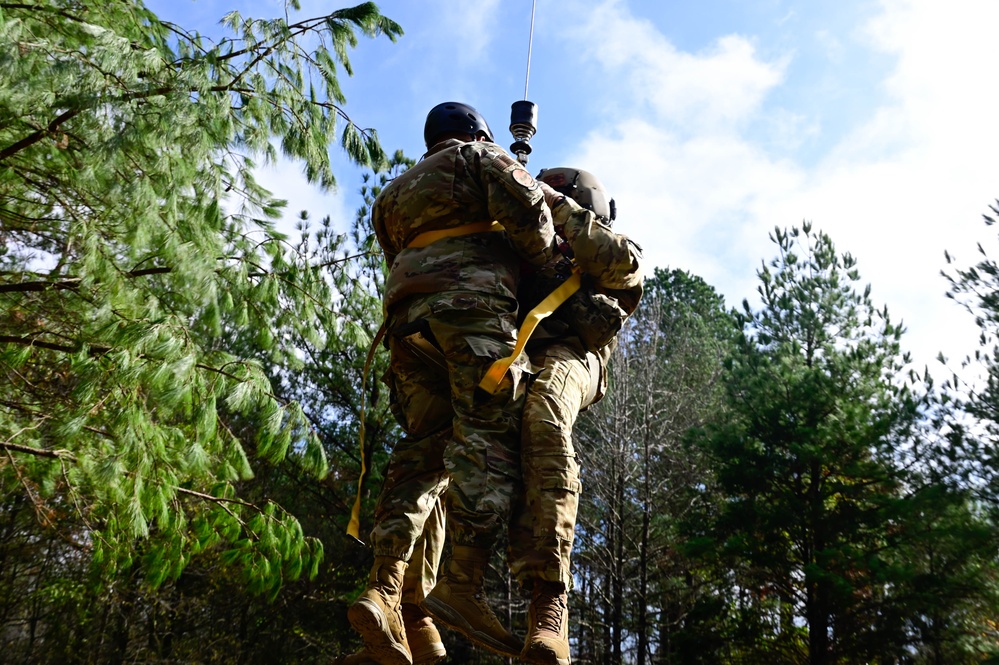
[[523, 125]]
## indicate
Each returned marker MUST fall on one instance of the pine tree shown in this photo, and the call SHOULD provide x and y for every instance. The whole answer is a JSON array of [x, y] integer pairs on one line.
[[975, 392], [638, 475], [137, 247], [812, 463]]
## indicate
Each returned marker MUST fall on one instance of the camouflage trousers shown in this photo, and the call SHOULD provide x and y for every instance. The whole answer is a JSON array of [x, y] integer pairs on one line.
[[454, 433], [544, 520], [421, 574], [544, 517]]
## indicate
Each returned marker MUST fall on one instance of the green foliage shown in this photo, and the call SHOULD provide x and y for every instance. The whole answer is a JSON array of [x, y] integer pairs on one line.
[[974, 458], [328, 381], [638, 474], [825, 478], [137, 249]]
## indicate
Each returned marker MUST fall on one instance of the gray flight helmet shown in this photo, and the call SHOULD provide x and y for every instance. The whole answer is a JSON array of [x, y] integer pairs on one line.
[[582, 187]]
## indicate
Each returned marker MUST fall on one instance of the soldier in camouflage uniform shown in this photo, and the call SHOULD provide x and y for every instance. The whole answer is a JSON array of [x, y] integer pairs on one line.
[[571, 348], [453, 280]]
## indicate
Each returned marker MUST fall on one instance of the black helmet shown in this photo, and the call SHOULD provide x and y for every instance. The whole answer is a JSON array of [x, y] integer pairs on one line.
[[454, 118], [583, 188]]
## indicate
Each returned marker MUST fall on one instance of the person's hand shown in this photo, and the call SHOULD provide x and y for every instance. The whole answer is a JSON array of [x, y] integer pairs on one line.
[[552, 198]]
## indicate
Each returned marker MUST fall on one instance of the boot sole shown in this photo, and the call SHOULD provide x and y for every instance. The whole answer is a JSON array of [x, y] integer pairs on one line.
[[369, 620], [427, 657], [444, 613], [430, 655], [545, 657]]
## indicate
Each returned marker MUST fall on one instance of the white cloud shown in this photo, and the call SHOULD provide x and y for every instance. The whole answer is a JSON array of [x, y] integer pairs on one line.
[[716, 88], [687, 183], [699, 191], [914, 179], [832, 46]]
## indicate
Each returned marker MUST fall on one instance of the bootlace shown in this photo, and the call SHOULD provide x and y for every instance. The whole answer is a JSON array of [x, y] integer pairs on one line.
[[550, 607]]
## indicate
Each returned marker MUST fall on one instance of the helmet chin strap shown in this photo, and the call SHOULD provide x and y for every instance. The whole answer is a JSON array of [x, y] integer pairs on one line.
[[524, 114]]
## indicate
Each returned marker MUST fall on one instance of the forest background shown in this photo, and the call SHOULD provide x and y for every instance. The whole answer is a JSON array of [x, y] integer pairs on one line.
[[182, 393]]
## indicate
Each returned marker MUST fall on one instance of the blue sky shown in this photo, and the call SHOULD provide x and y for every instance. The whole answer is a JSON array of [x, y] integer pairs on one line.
[[712, 122]]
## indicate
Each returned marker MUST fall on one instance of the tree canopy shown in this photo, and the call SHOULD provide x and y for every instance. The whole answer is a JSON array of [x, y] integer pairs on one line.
[[138, 247]]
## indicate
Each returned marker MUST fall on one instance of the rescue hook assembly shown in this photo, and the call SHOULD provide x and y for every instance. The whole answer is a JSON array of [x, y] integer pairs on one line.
[[523, 125]]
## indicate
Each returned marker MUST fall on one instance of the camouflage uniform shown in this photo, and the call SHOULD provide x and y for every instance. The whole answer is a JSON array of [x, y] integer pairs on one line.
[[462, 290], [571, 349]]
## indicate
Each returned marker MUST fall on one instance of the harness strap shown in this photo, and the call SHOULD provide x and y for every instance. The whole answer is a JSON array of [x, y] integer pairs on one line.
[[354, 526], [429, 237], [490, 382]]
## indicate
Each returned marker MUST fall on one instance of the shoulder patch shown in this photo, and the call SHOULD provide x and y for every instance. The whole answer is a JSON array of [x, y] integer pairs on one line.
[[522, 177]]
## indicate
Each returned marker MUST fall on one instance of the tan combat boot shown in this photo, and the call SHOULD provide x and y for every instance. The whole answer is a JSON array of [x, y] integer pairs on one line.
[[376, 614], [424, 641], [547, 625], [458, 601]]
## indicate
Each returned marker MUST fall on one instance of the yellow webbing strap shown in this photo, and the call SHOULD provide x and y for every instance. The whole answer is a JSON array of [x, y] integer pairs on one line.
[[354, 526], [490, 382], [430, 237]]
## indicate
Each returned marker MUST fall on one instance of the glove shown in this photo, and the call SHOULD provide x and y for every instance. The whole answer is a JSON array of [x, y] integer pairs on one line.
[[552, 198], [562, 210]]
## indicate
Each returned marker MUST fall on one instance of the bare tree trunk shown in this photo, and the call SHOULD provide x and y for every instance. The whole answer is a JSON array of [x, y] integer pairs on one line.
[[817, 595], [617, 620], [642, 627]]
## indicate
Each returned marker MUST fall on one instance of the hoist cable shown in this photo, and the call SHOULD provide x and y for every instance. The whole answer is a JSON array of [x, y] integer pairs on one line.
[[530, 45]]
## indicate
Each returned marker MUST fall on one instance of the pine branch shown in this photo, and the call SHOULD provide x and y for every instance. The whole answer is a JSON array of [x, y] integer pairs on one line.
[[36, 8], [302, 27], [334, 262], [220, 372], [71, 282], [31, 341], [38, 452], [26, 287], [216, 499], [37, 136]]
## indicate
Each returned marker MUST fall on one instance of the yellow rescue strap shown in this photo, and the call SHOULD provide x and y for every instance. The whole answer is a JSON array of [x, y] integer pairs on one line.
[[420, 241], [354, 526], [490, 382]]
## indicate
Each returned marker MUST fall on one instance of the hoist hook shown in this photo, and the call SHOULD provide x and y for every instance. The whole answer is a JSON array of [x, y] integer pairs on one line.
[[523, 125]]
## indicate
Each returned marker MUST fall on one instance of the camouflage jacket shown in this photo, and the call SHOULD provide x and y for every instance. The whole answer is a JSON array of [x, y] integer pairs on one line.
[[612, 287], [612, 281], [458, 183], [610, 259]]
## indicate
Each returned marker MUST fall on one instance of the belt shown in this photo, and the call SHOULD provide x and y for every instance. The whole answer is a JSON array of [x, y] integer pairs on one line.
[[430, 237]]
